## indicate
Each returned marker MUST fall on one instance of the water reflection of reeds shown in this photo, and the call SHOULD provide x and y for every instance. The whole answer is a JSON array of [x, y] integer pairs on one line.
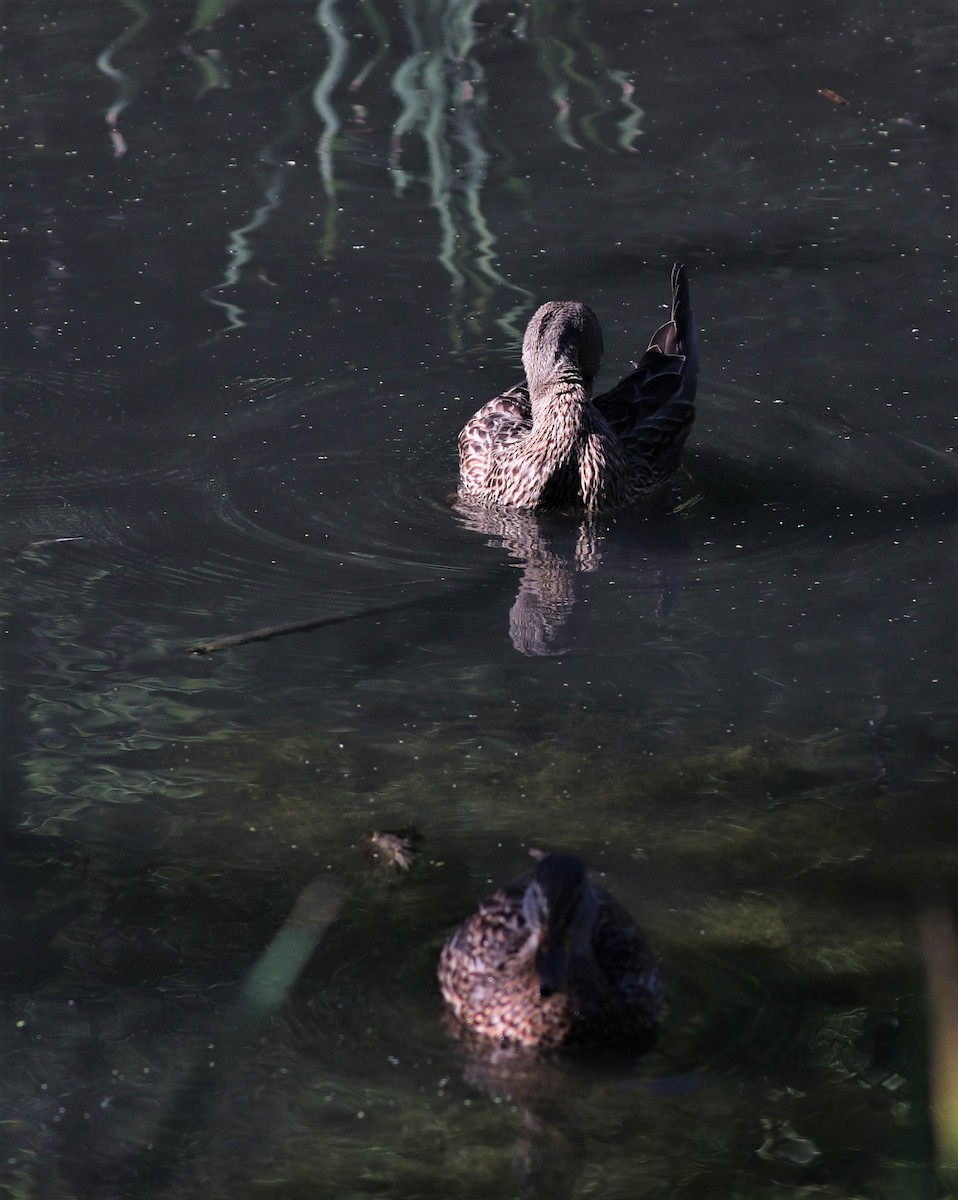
[[405, 90]]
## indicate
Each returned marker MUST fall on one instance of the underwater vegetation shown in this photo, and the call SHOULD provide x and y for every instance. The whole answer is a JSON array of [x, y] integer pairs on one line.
[[778, 880]]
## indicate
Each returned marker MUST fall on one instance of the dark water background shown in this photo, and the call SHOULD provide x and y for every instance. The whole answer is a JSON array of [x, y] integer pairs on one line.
[[261, 262]]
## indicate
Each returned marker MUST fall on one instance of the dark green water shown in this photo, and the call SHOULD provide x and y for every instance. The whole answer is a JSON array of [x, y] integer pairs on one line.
[[262, 261]]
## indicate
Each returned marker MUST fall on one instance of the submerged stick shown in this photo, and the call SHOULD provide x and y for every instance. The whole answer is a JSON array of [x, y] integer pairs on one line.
[[184, 1131], [271, 631], [284, 959], [939, 946]]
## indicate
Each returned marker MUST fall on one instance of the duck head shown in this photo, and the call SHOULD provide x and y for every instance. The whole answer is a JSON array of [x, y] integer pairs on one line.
[[560, 908], [562, 341]]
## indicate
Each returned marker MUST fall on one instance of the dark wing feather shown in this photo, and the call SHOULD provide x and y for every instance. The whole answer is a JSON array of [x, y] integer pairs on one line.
[[626, 958], [653, 408]]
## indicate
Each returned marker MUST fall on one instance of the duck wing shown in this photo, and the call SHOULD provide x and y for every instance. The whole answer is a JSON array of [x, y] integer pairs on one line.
[[487, 957], [652, 409], [627, 961], [501, 422]]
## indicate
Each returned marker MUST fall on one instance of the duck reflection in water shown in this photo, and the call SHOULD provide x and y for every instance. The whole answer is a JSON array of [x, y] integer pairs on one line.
[[557, 556], [547, 446]]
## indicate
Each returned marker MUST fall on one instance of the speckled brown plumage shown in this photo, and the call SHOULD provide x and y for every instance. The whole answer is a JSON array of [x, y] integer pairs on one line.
[[552, 959], [549, 444]]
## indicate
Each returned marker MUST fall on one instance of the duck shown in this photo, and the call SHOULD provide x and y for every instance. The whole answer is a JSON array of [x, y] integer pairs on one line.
[[552, 960], [548, 444]]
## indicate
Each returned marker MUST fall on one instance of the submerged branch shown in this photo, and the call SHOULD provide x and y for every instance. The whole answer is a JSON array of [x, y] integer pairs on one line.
[[266, 632]]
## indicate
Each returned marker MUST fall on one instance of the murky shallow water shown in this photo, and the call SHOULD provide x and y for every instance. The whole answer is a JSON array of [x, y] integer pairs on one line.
[[242, 337]]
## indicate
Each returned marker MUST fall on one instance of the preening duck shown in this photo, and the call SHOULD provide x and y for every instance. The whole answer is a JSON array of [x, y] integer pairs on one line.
[[550, 444]]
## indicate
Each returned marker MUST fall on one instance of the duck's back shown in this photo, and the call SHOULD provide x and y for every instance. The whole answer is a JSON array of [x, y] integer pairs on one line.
[[487, 970], [501, 422]]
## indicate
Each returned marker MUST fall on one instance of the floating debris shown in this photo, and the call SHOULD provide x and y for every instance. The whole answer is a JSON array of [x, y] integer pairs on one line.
[[394, 850], [833, 96], [783, 1144], [39, 543]]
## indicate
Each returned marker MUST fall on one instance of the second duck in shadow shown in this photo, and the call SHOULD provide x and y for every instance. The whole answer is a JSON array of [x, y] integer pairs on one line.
[[550, 960]]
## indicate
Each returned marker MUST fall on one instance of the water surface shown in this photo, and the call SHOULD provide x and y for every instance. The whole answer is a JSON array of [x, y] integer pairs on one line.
[[261, 264]]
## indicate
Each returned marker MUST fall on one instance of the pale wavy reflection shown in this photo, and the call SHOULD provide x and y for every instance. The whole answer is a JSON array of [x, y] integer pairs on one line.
[[127, 87], [239, 251], [573, 67], [436, 141], [328, 19], [441, 87]]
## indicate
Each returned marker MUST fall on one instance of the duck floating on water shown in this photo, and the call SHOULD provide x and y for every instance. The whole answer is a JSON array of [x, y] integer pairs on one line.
[[553, 959], [549, 444]]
